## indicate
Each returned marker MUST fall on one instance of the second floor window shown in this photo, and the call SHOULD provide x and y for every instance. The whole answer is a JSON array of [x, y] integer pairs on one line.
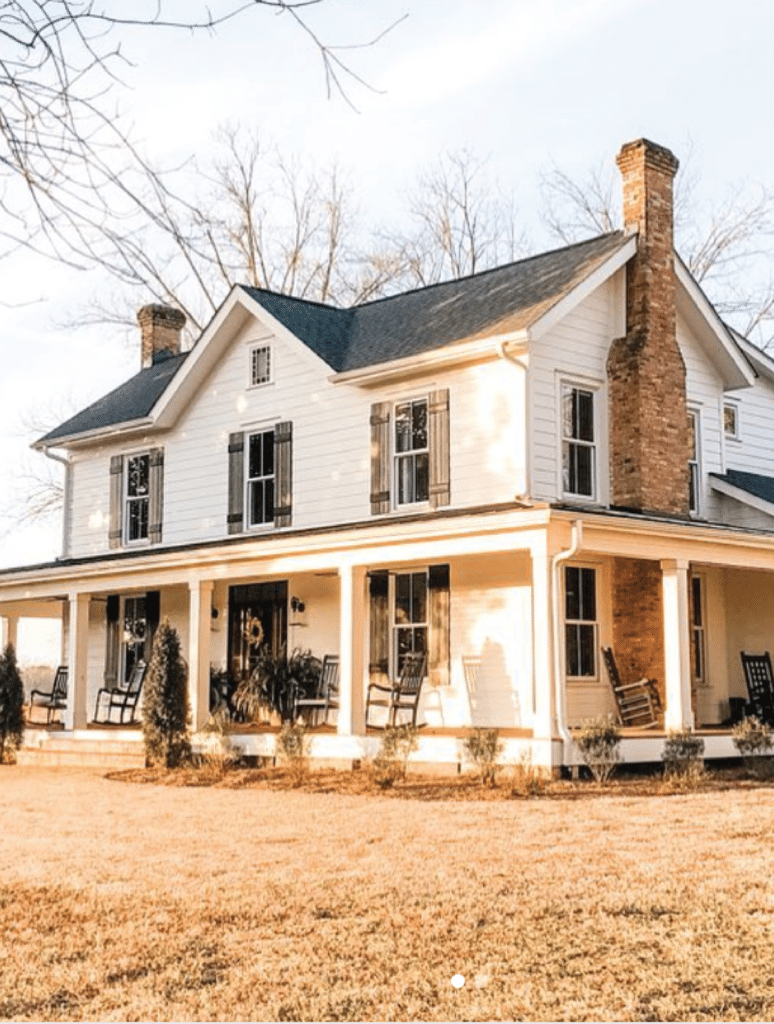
[[693, 462], [260, 365], [412, 470], [260, 478], [578, 442], [137, 497]]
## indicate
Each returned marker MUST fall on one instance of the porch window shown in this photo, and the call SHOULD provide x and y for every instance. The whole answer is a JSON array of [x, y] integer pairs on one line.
[[697, 629], [693, 461], [412, 467], [580, 622], [409, 617], [135, 634], [260, 478], [578, 442], [137, 497]]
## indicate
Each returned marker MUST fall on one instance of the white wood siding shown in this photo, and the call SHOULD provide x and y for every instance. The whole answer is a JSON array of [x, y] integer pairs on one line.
[[331, 443]]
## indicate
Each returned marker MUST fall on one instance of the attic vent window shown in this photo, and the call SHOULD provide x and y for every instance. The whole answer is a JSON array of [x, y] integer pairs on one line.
[[260, 365]]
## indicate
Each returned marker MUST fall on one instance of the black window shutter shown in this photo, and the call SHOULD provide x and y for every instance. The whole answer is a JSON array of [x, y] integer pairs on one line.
[[152, 616], [236, 482], [438, 430], [379, 627], [156, 494], [438, 613], [112, 640], [116, 500], [283, 474], [380, 458]]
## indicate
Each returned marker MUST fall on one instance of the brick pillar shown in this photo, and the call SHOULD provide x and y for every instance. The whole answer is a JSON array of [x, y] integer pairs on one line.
[[649, 442], [160, 328], [638, 621]]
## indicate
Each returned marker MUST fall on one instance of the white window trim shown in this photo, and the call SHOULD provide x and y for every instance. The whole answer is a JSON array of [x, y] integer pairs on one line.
[[737, 436], [598, 623], [395, 455], [269, 525], [125, 499], [600, 488], [695, 411], [253, 347]]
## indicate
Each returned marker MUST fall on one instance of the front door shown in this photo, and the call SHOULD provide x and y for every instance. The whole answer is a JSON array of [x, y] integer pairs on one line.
[[257, 617]]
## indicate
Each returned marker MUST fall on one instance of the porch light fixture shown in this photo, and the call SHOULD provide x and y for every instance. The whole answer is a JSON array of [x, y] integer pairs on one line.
[[297, 605]]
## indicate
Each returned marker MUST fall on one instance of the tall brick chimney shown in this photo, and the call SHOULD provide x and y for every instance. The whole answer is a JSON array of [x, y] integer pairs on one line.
[[160, 328], [649, 442]]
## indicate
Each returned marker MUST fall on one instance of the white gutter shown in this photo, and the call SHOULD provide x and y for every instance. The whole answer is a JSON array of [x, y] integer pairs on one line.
[[108, 432], [559, 694]]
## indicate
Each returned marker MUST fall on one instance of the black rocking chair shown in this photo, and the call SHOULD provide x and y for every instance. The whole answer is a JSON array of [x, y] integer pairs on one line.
[[55, 700], [123, 698], [327, 697], [760, 686], [404, 693]]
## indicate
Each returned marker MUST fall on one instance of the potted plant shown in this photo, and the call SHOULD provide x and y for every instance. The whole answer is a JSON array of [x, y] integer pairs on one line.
[[275, 681]]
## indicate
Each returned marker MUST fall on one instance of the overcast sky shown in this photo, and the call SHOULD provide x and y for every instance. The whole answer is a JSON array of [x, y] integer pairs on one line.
[[523, 83]]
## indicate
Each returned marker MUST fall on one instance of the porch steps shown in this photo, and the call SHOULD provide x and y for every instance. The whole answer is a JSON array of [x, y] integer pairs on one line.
[[84, 753]]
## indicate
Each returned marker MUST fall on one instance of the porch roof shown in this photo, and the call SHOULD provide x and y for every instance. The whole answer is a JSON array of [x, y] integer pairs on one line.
[[752, 489]]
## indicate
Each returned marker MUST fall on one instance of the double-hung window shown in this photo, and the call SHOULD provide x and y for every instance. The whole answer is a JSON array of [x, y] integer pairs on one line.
[[260, 478], [137, 498], [412, 468], [409, 617], [697, 629], [693, 461], [580, 622], [579, 453]]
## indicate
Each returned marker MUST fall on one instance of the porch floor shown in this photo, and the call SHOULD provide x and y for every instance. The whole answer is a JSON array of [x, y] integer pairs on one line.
[[252, 728]]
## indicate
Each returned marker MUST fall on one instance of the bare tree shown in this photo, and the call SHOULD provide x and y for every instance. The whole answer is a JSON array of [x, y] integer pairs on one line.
[[727, 245], [63, 151], [460, 223]]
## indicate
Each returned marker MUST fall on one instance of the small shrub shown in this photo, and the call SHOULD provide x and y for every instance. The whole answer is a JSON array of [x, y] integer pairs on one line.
[[484, 748], [219, 753], [754, 740], [11, 703], [526, 779], [599, 741], [165, 712], [397, 745], [683, 757], [293, 750]]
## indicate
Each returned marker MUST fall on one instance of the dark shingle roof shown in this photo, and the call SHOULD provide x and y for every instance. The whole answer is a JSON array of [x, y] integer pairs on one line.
[[507, 298], [498, 301], [754, 483], [130, 401]]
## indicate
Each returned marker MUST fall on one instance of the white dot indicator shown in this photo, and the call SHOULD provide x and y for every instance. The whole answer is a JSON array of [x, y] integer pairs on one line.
[[458, 981]]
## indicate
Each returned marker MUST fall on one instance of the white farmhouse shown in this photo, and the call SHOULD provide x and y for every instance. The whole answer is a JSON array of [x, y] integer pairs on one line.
[[507, 473]]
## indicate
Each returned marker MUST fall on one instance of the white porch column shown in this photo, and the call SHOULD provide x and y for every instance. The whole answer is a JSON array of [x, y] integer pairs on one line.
[[199, 627], [10, 631], [677, 645], [352, 605], [542, 643], [76, 715]]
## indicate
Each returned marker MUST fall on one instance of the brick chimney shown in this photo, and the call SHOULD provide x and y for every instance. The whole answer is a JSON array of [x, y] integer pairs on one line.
[[160, 328], [649, 443]]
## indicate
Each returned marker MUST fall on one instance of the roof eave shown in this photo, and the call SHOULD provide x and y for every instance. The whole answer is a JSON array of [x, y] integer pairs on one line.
[[85, 437], [739, 494], [451, 355]]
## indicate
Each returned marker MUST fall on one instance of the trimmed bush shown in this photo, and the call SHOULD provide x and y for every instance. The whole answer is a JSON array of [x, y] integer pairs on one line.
[[683, 757], [11, 702], [484, 748], [599, 741], [389, 765], [165, 712], [293, 750], [754, 740]]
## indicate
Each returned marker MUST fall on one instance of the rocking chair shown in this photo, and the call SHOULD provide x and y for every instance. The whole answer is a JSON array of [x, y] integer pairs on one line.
[[404, 693], [638, 703], [123, 698], [327, 697], [760, 686], [55, 700]]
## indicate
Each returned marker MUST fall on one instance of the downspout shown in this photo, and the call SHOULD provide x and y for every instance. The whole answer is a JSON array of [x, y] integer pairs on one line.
[[503, 354], [66, 497], [559, 693]]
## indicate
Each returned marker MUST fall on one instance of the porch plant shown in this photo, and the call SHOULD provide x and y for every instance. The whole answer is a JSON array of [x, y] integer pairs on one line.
[[11, 702], [599, 742], [484, 748], [683, 757], [165, 712], [275, 679], [754, 741]]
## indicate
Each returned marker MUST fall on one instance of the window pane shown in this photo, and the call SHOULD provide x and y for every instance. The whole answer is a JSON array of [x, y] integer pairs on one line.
[[587, 650], [584, 470], [255, 457], [137, 473], [403, 598], [584, 416], [692, 434], [403, 428], [421, 477], [572, 651], [729, 420], [268, 501], [405, 480], [419, 426], [696, 595], [572, 593], [568, 413], [267, 444], [419, 597], [588, 596]]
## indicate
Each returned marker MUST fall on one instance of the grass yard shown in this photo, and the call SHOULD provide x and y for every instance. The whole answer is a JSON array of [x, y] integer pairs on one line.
[[122, 901]]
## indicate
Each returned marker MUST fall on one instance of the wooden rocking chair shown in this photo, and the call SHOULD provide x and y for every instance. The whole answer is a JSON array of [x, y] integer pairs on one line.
[[124, 699], [760, 686], [638, 703], [327, 697], [54, 700]]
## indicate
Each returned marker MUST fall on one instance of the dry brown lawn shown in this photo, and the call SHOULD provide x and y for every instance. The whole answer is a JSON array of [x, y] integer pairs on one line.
[[121, 901]]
